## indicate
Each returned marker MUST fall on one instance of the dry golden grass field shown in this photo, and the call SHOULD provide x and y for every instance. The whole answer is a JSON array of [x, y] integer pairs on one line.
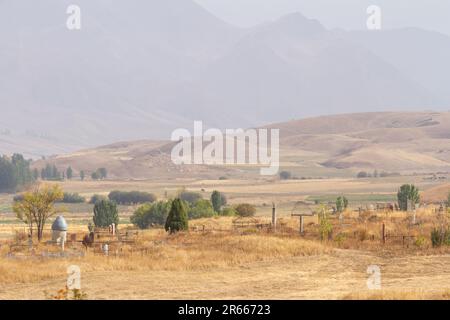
[[214, 261]]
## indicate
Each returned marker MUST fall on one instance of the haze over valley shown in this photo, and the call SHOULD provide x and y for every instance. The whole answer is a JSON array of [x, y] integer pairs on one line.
[[122, 79]]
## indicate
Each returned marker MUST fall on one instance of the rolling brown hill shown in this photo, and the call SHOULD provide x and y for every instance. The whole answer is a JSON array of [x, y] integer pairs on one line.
[[403, 142], [436, 194], [392, 141]]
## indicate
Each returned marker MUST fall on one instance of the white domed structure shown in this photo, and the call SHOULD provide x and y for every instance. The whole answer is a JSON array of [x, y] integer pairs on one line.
[[59, 230]]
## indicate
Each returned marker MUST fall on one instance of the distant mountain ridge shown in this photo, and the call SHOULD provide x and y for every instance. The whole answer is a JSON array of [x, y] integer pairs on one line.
[[401, 142], [140, 69]]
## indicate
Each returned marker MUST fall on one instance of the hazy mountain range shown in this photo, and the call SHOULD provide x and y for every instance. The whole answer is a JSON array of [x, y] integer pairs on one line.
[[139, 69]]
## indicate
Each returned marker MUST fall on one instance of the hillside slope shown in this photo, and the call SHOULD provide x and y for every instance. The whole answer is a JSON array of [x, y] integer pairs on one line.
[[395, 142]]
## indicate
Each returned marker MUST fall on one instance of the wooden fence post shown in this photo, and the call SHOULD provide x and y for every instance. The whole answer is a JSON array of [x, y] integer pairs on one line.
[[274, 218]]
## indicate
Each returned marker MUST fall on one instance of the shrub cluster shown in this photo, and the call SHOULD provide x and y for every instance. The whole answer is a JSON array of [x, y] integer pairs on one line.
[[131, 197], [151, 214], [72, 198], [245, 210], [157, 213]]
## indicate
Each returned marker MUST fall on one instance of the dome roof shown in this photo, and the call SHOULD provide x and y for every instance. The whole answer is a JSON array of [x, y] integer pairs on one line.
[[59, 224]]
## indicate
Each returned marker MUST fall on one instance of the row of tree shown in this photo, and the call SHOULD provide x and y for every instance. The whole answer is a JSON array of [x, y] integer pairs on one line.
[[376, 174], [51, 172], [15, 173], [174, 214]]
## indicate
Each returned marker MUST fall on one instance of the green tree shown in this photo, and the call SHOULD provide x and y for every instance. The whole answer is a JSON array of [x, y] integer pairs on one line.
[[341, 204], [15, 173], [8, 182], [218, 200], [201, 209], [56, 175], [177, 220], [69, 173], [102, 173], [22, 170], [405, 193], [95, 175], [105, 213], [35, 174], [48, 172]]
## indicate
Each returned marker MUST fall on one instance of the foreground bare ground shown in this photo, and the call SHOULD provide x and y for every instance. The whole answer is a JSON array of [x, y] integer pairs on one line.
[[337, 275]]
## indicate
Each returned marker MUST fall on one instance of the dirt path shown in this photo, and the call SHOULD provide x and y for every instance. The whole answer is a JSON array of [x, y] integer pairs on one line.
[[323, 277]]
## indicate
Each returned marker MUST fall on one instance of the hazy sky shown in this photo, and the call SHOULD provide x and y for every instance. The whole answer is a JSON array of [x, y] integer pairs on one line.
[[348, 14]]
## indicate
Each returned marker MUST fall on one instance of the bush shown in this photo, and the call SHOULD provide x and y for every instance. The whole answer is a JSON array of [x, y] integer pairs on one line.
[[201, 209], [149, 214], [189, 196], [245, 210], [362, 174], [95, 176], [440, 237], [131, 197], [285, 175], [105, 213], [72, 198], [97, 197], [228, 212], [340, 238], [420, 241], [177, 220]]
